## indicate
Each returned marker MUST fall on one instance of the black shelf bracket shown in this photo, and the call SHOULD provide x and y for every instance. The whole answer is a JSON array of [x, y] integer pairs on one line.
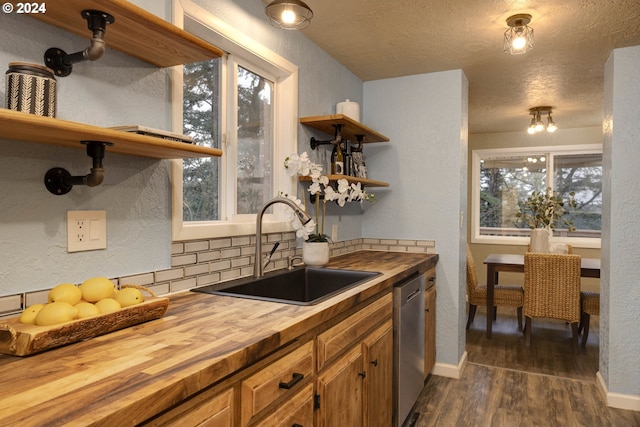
[[59, 181], [62, 63], [337, 138]]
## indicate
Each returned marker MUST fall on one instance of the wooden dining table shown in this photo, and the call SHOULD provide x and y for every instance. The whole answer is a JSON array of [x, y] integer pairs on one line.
[[589, 267]]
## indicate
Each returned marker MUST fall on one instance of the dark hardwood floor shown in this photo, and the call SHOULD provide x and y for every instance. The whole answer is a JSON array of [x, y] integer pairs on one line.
[[507, 384]]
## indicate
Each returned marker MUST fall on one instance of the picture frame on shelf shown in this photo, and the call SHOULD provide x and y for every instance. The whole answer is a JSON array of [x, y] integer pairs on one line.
[[359, 167]]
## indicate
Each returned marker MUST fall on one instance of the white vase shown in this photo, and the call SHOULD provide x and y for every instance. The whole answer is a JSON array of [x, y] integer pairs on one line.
[[315, 254], [539, 240]]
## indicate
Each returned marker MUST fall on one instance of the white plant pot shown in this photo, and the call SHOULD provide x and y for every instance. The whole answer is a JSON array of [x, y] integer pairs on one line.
[[315, 254], [540, 240]]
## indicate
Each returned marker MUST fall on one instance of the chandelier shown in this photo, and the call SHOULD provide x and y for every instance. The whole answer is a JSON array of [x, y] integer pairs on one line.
[[519, 36], [537, 125]]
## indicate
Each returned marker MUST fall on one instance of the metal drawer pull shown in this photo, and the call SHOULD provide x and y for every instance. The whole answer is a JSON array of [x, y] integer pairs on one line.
[[296, 425], [295, 380]]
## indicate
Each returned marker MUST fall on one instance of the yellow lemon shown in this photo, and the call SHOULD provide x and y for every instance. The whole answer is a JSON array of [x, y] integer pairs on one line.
[[65, 292], [129, 296], [108, 305], [29, 314], [56, 312], [86, 309], [97, 288]]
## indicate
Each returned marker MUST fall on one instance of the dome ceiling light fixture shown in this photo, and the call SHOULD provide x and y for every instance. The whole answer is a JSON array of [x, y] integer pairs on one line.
[[289, 14], [518, 38], [537, 125]]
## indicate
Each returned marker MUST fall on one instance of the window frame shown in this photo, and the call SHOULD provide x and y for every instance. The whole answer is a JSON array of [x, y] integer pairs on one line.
[[477, 155], [203, 24]]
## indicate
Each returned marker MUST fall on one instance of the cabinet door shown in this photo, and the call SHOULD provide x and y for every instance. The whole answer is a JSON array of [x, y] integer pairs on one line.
[[296, 411], [429, 329], [340, 391], [378, 382]]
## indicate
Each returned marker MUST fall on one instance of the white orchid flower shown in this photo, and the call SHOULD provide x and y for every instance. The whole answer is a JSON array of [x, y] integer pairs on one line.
[[315, 188], [343, 186], [330, 194]]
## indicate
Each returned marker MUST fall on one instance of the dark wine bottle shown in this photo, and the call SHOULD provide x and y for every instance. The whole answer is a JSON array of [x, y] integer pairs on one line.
[[337, 160]]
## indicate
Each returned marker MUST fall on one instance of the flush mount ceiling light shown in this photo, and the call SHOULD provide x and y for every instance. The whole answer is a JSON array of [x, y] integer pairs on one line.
[[289, 14], [519, 36], [537, 125]]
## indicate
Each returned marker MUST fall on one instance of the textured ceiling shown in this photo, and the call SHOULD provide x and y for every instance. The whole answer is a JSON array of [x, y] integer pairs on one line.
[[378, 39]]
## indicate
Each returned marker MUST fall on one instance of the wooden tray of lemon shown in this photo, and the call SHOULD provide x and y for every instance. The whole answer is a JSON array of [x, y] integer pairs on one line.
[[43, 327]]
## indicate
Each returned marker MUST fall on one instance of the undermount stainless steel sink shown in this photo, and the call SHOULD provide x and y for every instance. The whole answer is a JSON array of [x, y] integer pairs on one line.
[[301, 286]]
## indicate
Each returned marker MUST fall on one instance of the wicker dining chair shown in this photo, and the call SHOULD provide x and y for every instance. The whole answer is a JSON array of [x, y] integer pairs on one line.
[[503, 295], [569, 248], [552, 290], [589, 306]]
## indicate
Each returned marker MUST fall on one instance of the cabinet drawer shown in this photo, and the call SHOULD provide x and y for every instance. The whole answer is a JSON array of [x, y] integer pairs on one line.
[[341, 336], [296, 411], [276, 380], [211, 408]]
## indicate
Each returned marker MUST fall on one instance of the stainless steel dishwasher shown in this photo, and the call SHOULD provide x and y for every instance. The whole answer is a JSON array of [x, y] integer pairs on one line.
[[408, 321]]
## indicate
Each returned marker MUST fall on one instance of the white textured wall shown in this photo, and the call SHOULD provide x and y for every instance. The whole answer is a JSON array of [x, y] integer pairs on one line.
[[114, 90], [620, 296], [119, 90], [425, 116]]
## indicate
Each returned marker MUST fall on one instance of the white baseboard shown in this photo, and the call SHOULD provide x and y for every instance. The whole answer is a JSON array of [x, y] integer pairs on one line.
[[618, 400], [450, 371]]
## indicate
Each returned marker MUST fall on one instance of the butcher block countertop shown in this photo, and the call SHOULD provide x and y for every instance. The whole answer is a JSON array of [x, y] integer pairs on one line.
[[128, 376]]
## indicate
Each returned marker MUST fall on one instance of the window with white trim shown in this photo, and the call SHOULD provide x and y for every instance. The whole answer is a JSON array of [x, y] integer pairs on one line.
[[241, 103], [503, 178]]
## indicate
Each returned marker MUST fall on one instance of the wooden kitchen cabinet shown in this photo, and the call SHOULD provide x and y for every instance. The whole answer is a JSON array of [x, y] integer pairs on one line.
[[378, 382], [430, 321], [355, 369], [340, 391]]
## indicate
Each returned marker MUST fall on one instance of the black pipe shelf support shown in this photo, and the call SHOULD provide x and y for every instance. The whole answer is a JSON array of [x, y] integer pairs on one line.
[[337, 138], [59, 181], [62, 63]]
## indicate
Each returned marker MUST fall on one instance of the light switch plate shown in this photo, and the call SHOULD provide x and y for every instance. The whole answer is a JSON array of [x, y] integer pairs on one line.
[[86, 230]]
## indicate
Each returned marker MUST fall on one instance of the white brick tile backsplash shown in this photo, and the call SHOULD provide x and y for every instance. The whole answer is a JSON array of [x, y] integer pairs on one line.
[[209, 256], [167, 275], [241, 241], [220, 243], [208, 261], [220, 265], [181, 285], [10, 304], [139, 279], [194, 270], [37, 297], [177, 261], [230, 274], [208, 279], [196, 246]]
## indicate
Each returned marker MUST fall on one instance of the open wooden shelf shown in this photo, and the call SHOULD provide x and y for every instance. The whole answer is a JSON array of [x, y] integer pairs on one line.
[[352, 179], [19, 126], [351, 129], [136, 32]]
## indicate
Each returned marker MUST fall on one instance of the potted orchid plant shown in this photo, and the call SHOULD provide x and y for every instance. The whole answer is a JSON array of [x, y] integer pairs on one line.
[[322, 191]]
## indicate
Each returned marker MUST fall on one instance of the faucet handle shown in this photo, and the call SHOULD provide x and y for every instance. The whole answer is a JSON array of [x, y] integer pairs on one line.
[[267, 259], [291, 259]]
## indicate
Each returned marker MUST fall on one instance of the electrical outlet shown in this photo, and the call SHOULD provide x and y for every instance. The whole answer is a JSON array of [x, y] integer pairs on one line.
[[334, 232], [86, 230]]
